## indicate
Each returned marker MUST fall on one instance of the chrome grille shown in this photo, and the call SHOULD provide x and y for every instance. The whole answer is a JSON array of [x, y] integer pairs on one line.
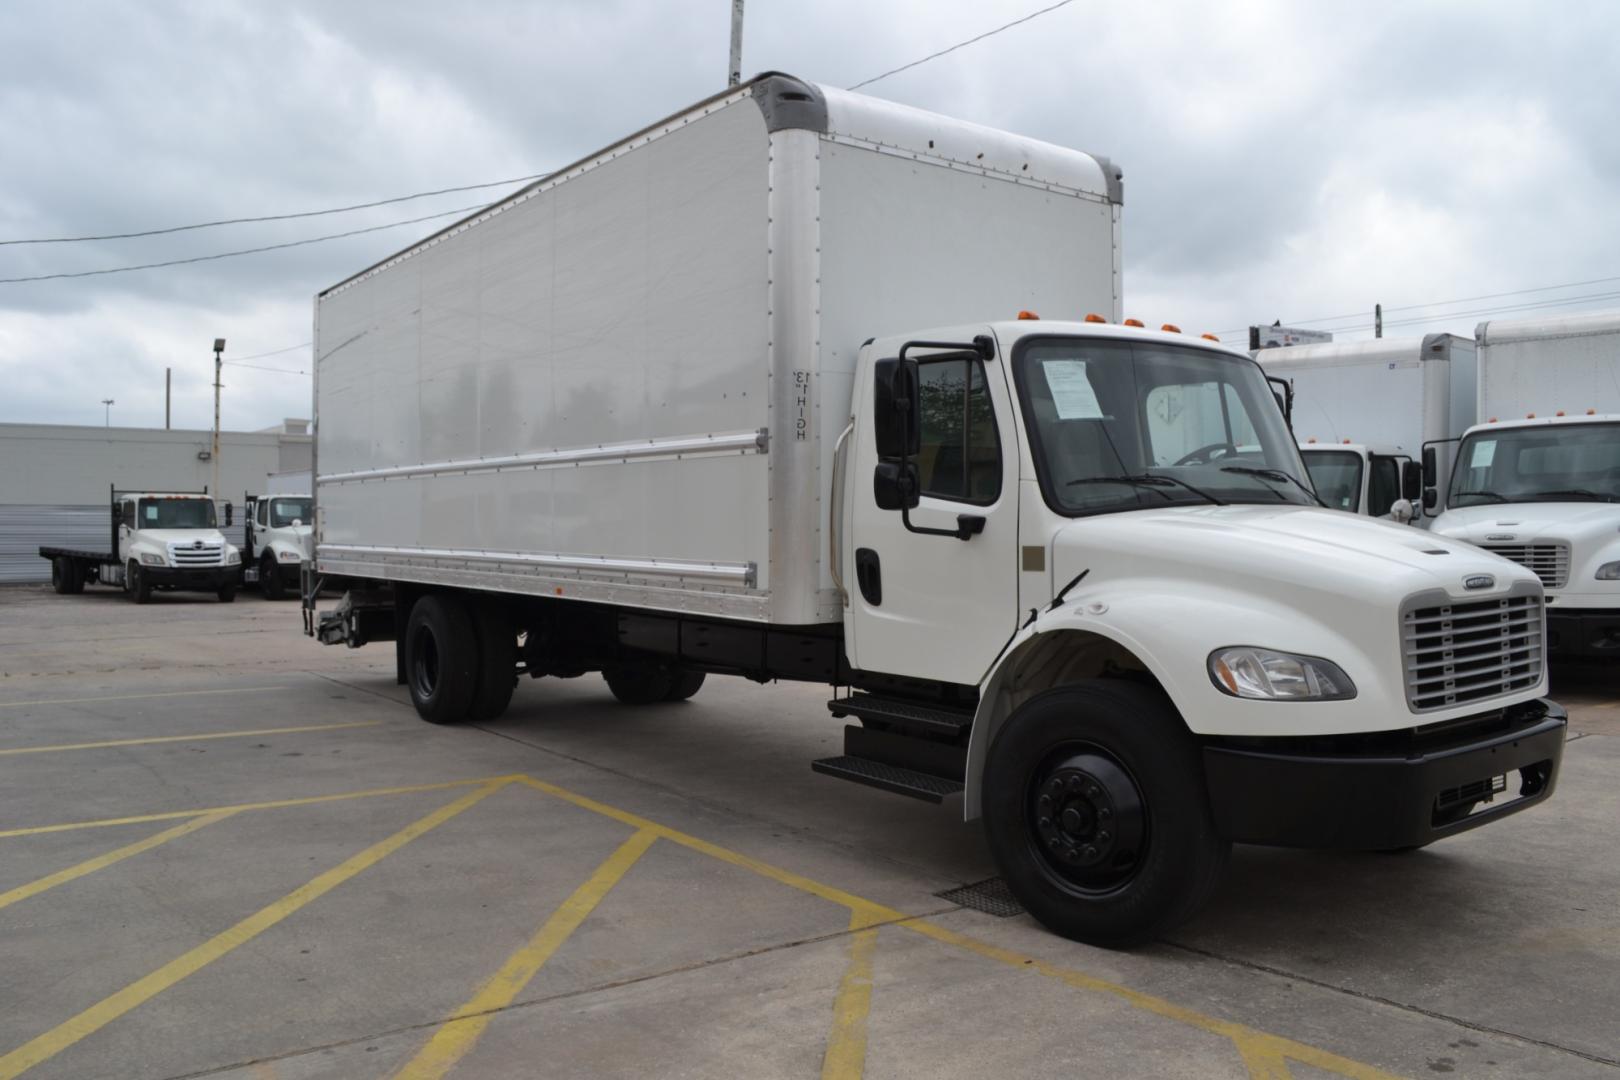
[[189, 554], [1550, 562], [1459, 652]]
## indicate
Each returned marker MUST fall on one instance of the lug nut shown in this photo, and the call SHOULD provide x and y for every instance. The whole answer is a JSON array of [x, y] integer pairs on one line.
[[1103, 813], [1091, 852], [1093, 791]]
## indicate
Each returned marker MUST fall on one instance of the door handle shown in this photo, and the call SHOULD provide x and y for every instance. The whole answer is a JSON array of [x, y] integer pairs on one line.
[[869, 576]]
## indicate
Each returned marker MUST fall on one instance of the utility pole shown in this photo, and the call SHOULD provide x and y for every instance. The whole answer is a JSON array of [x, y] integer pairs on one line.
[[735, 71], [168, 387], [109, 402], [1378, 320], [219, 349]]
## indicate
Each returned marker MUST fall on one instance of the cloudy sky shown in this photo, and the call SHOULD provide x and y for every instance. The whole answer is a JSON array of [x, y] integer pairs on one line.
[[1282, 160]]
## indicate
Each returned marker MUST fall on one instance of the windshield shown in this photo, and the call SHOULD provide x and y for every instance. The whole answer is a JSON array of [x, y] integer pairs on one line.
[[1119, 425], [1548, 463], [176, 513], [1336, 475], [286, 511]]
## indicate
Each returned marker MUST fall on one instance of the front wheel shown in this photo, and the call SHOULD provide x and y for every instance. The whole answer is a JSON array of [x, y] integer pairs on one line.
[[136, 584], [1096, 812], [227, 593], [270, 585]]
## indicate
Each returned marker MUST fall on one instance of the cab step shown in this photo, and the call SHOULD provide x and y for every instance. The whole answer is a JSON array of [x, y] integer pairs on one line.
[[936, 721], [918, 785]]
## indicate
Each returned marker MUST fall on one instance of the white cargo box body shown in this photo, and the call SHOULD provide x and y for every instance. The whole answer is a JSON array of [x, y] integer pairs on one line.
[[1571, 362], [625, 382], [1393, 392]]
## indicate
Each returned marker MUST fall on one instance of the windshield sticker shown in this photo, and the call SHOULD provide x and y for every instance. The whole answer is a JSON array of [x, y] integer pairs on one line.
[[1484, 453], [1072, 393]]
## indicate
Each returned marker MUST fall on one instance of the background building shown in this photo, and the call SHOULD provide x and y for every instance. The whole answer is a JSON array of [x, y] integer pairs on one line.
[[54, 478]]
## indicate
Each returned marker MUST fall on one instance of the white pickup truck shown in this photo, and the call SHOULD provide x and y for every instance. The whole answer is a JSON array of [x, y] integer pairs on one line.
[[163, 540], [745, 394], [277, 536]]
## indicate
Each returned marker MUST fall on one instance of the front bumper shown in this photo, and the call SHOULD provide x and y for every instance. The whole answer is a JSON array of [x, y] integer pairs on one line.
[[202, 578], [1390, 790], [1585, 632]]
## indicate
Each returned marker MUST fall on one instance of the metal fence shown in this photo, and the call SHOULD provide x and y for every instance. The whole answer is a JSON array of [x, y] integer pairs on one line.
[[25, 527]]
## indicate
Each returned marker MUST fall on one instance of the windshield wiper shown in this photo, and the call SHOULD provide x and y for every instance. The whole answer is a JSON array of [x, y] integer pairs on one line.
[[1275, 474], [1488, 496], [1148, 480], [1584, 493]]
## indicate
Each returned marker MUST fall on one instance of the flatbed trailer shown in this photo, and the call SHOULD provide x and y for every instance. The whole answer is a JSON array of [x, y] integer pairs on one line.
[[146, 552]]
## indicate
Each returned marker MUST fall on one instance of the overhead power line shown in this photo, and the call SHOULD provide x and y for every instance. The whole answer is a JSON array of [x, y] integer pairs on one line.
[[273, 217], [258, 367], [963, 44], [244, 251]]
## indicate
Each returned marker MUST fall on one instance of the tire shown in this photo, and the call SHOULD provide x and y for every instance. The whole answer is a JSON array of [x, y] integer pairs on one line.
[[135, 583], [685, 683], [640, 684], [76, 573], [497, 663], [441, 659], [65, 577], [1091, 754], [270, 584], [227, 593]]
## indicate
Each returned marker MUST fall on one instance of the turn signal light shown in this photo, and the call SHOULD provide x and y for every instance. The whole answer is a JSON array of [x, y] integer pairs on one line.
[[1209, 337], [1094, 317], [1133, 322], [1170, 328], [1028, 315]]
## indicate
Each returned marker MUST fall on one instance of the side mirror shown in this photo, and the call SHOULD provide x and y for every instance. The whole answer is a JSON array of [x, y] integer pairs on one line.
[[1283, 391], [1431, 467], [1431, 498], [895, 485], [228, 518], [1401, 511], [896, 410], [1411, 480]]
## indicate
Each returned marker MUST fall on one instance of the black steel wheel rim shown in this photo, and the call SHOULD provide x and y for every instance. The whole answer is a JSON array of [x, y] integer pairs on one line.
[[1087, 819], [425, 664]]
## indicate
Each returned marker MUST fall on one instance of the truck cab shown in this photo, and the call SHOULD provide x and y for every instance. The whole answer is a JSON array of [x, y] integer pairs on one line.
[[277, 536], [1545, 493], [171, 541], [1372, 480]]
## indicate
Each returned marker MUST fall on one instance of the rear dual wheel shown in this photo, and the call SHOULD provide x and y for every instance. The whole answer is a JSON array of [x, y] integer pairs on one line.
[[1096, 812], [460, 663], [67, 578]]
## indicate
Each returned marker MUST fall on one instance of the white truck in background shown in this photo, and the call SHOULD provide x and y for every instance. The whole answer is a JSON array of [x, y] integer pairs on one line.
[[1363, 411], [163, 540], [1537, 481], [278, 533], [744, 393]]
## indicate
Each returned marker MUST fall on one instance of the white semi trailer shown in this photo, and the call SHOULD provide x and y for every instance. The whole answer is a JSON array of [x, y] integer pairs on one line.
[[1538, 479], [1364, 411], [745, 394]]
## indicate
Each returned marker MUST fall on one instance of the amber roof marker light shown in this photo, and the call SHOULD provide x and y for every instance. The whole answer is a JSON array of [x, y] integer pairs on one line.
[[1095, 318], [1134, 322]]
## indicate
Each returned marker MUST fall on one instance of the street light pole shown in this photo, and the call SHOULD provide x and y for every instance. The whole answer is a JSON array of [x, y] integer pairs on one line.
[[734, 74], [219, 349], [109, 402]]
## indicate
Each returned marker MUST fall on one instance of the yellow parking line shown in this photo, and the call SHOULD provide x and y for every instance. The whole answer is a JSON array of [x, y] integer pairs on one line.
[[308, 800], [97, 1016], [1263, 1053], [137, 697], [90, 866], [845, 1058], [185, 738], [458, 1034]]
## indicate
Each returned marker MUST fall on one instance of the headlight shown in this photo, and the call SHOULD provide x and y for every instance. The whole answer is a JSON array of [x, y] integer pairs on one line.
[[289, 556], [151, 560], [1246, 672], [232, 557], [1609, 571]]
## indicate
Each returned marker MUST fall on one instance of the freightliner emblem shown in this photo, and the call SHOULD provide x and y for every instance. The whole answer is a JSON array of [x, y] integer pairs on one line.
[[1500, 536], [1478, 581]]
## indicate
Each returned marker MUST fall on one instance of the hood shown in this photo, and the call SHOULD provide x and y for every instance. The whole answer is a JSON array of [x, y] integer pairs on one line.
[[182, 536], [1526, 523], [1338, 557]]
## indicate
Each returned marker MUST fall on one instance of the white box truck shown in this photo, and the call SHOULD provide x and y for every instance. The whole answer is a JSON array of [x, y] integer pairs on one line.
[[746, 393], [1363, 411], [1538, 479]]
